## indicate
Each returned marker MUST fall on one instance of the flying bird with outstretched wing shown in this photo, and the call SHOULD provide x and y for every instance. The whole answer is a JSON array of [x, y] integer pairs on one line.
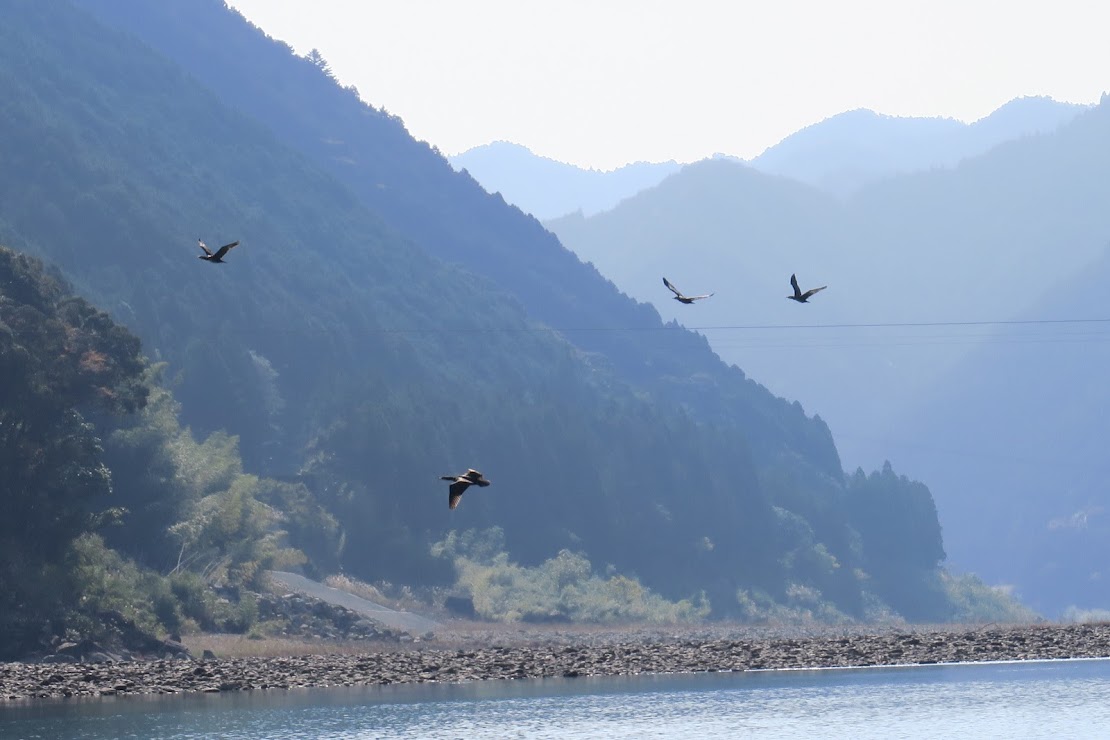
[[687, 299], [459, 484], [218, 255], [799, 296]]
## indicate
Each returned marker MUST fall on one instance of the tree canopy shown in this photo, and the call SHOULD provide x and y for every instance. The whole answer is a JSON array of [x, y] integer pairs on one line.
[[308, 393]]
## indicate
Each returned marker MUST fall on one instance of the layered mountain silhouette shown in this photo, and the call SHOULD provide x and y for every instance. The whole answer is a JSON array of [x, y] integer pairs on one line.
[[839, 155], [385, 319], [915, 265], [843, 153], [547, 188]]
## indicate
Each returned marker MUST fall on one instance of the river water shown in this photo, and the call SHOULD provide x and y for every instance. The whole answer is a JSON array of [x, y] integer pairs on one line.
[[1057, 699]]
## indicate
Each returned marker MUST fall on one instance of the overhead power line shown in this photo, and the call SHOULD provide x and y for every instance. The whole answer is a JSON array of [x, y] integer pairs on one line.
[[906, 324], [717, 327]]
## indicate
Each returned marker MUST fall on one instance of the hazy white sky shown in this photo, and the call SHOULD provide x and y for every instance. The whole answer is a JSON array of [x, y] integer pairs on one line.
[[600, 83]]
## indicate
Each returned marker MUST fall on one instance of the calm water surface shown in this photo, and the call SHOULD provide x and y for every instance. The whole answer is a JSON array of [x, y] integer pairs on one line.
[[1061, 699]]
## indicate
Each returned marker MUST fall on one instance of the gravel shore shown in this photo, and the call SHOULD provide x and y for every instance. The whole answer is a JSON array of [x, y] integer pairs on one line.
[[568, 653]]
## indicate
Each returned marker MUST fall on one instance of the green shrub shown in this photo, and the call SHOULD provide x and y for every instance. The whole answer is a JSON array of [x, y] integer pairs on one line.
[[246, 613], [802, 604], [198, 602], [105, 581], [1085, 616], [201, 604], [563, 588], [975, 602]]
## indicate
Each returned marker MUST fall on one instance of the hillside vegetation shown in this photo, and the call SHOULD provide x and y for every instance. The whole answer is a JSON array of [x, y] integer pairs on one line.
[[98, 474], [923, 271], [384, 322]]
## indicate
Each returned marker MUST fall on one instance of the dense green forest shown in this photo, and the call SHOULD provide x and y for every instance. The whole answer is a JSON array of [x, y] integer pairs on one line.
[[381, 324], [113, 511]]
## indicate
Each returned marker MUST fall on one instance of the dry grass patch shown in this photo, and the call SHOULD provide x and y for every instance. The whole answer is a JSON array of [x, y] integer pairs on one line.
[[241, 646]]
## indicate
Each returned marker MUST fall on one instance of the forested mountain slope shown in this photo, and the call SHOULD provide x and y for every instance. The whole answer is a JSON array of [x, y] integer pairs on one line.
[[414, 189], [1015, 439], [723, 227], [980, 242], [59, 356], [349, 353], [104, 493], [918, 268]]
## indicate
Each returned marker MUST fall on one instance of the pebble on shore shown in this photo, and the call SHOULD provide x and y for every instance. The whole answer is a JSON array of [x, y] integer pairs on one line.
[[554, 656]]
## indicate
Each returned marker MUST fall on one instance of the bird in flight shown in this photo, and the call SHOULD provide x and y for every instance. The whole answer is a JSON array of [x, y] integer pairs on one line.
[[687, 299], [799, 296], [218, 255], [459, 484]]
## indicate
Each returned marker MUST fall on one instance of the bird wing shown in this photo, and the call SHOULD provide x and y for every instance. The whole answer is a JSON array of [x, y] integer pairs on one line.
[[455, 492], [794, 284], [672, 288], [699, 297], [808, 293], [204, 246], [225, 249]]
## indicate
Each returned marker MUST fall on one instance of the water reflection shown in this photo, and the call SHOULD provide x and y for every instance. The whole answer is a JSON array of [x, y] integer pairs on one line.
[[1034, 699]]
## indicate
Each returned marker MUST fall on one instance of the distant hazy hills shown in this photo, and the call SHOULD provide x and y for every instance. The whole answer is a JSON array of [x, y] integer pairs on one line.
[[849, 150], [547, 188], [1014, 440], [912, 264], [838, 155]]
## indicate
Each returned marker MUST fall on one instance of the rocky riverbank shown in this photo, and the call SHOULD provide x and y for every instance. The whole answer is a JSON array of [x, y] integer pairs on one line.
[[558, 654]]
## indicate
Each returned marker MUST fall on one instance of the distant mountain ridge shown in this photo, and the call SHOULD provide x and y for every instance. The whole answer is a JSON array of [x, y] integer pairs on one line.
[[547, 188], [839, 155], [918, 266], [386, 321], [845, 152], [984, 236]]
